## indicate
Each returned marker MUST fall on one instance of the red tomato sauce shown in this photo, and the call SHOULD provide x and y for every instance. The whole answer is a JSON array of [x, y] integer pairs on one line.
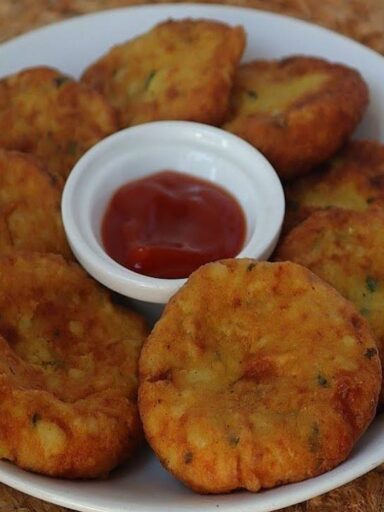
[[168, 224]]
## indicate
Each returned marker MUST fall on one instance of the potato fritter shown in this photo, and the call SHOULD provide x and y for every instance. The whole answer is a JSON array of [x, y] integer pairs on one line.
[[242, 385], [353, 179], [52, 116], [68, 370], [298, 111], [30, 216], [345, 248], [181, 69]]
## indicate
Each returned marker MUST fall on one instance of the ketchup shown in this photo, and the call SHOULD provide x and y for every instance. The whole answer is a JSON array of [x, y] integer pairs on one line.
[[168, 224]]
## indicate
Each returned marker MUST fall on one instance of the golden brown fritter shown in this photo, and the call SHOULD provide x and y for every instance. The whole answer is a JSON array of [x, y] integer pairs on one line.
[[30, 216], [243, 385], [298, 111], [345, 248], [52, 116], [353, 179], [178, 70], [68, 370]]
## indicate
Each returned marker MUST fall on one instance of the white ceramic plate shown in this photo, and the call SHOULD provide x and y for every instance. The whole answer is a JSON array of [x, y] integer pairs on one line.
[[143, 486]]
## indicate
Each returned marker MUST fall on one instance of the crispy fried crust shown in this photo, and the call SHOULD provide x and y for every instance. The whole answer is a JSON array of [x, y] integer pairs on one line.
[[178, 70], [243, 385], [68, 363], [47, 113], [298, 111], [30, 216], [346, 249], [353, 179]]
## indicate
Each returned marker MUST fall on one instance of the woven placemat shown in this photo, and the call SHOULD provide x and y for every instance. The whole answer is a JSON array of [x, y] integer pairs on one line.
[[362, 20]]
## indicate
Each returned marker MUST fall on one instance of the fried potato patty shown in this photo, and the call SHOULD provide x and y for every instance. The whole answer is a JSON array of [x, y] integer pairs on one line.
[[298, 111], [178, 70], [68, 370], [52, 116], [353, 179], [242, 385], [30, 216], [345, 248]]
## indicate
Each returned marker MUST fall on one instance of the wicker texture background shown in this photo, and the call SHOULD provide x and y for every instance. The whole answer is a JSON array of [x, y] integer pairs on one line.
[[362, 20]]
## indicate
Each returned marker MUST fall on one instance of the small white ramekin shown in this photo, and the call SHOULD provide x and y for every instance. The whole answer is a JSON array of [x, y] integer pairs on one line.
[[192, 148]]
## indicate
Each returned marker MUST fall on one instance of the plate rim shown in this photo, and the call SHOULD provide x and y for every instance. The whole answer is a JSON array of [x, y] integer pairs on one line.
[[78, 18]]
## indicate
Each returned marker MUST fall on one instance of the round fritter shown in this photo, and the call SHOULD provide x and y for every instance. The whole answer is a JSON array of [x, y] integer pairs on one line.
[[68, 370], [52, 116], [30, 216], [298, 111], [181, 69], [346, 249], [353, 179], [242, 385]]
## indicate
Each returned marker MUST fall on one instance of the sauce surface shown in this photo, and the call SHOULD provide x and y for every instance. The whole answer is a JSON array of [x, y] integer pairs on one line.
[[168, 224]]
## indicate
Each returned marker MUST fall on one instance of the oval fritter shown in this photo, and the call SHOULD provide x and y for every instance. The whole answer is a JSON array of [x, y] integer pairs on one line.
[[47, 113], [298, 111], [243, 385], [181, 69], [353, 179], [30, 216], [68, 370], [345, 248]]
